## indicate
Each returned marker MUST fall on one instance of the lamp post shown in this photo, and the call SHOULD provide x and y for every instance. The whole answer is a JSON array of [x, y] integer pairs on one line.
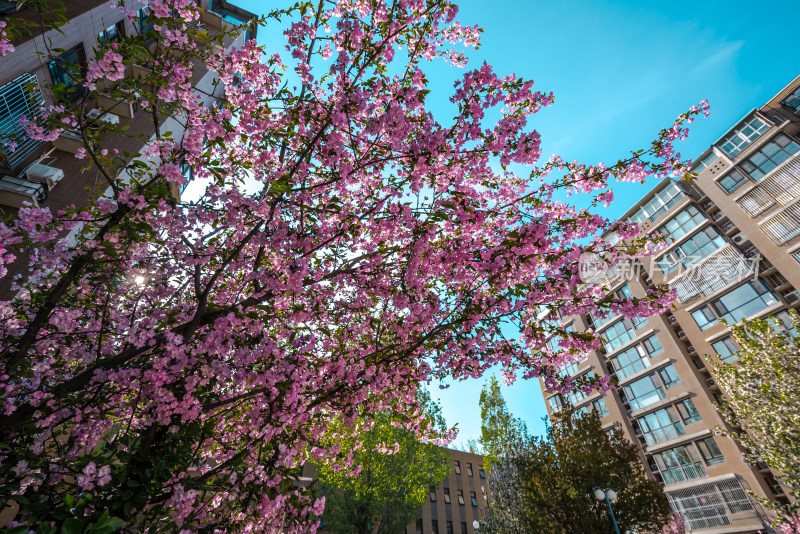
[[609, 495]]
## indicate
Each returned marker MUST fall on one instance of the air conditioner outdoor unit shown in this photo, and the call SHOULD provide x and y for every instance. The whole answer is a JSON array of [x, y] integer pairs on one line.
[[710, 382], [792, 298], [740, 238], [43, 174], [691, 349], [681, 334]]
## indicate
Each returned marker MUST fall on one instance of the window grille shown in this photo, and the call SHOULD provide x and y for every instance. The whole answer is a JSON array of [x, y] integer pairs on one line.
[[19, 97], [717, 504], [784, 227]]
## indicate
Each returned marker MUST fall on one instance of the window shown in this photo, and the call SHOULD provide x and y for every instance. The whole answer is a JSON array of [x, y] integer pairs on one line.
[[660, 203], [554, 341], [577, 394], [600, 407], [450, 527], [463, 528], [555, 402], [732, 181], [698, 247], [112, 34], [569, 369], [786, 320], [599, 318], [682, 224], [481, 472], [744, 301], [669, 376], [660, 426], [19, 97], [447, 495], [705, 163], [469, 469], [688, 411], [679, 465], [67, 70], [457, 467], [435, 526], [726, 349], [770, 156], [710, 451], [745, 133], [473, 498], [460, 497], [432, 492], [145, 24], [793, 100], [649, 389], [419, 526], [617, 335], [635, 359]]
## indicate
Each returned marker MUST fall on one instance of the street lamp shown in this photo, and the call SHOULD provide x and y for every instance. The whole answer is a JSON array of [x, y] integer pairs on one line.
[[609, 495], [476, 525]]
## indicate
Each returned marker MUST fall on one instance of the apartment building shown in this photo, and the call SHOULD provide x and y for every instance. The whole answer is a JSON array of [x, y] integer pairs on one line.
[[733, 252], [461, 499], [46, 173]]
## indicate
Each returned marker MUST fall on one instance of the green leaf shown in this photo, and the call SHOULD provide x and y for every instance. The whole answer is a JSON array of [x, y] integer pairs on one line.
[[72, 526]]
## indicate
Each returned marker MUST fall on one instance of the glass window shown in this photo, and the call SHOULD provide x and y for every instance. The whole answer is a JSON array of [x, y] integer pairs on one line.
[[67, 70], [450, 527], [555, 402], [796, 256], [793, 100], [661, 425], [569, 369], [745, 133], [660, 203], [473, 498], [732, 181], [653, 346], [644, 392], [432, 492], [669, 376], [435, 526], [696, 248], [600, 407], [463, 528], [744, 301], [460, 496], [19, 97], [770, 156], [786, 320], [710, 451], [726, 349], [688, 411], [576, 395], [705, 163], [469, 469], [112, 34], [457, 467], [683, 223], [629, 362], [617, 334], [145, 23], [679, 465], [481, 472], [447, 495], [419, 526]]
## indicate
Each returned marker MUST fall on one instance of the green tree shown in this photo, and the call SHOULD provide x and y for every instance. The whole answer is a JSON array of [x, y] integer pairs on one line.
[[763, 397], [499, 428], [546, 484], [396, 473]]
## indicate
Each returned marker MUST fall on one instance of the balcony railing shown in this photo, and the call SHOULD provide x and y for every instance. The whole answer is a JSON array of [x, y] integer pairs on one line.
[[683, 473], [784, 228], [21, 96], [712, 274]]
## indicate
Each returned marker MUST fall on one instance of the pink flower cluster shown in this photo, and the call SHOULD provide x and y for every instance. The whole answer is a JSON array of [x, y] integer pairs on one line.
[[108, 67], [5, 45]]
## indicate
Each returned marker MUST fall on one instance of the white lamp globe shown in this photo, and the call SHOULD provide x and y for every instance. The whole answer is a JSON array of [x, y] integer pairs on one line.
[[612, 495], [600, 494], [476, 525]]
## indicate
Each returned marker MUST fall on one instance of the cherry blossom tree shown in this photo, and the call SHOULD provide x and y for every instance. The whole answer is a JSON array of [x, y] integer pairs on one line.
[[170, 364]]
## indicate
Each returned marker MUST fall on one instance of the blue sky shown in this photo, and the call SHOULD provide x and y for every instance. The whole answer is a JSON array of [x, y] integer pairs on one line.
[[620, 72]]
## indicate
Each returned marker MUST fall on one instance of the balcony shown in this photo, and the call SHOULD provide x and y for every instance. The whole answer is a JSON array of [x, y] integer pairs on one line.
[[666, 433], [682, 473], [723, 268]]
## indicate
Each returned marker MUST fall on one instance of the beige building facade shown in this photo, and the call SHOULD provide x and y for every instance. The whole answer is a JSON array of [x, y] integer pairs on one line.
[[733, 252]]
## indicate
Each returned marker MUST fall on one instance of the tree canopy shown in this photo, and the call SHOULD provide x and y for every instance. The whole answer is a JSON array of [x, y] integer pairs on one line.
[[500, 430], [547, 483], [396, 472], [171, 363]]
